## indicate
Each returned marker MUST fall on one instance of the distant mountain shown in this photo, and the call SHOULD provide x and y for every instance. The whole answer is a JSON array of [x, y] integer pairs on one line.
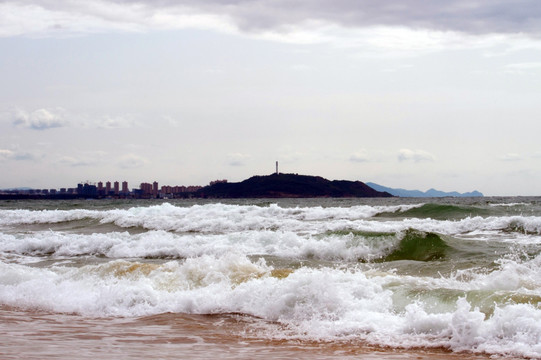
[[289, 186], [417, 193]]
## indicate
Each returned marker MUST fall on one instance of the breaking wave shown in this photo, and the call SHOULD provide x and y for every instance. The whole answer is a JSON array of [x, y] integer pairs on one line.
[[312, 304], [221, 218]]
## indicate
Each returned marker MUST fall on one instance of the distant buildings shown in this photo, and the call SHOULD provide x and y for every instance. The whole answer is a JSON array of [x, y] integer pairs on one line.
[[218, 182], [109, 191]]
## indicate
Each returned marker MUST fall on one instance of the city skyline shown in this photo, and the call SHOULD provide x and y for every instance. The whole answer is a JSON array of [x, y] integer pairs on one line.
[[406, 94], [110, 189]]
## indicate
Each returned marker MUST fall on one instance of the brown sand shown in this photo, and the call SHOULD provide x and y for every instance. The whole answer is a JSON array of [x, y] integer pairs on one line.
[[41, 335]]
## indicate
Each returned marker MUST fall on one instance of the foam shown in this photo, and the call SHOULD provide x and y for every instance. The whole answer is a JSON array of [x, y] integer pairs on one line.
[[221, 218], [312, 304], [162, 244], [205, 218]]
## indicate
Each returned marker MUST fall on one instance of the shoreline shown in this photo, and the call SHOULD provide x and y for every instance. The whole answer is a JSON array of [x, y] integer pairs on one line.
[[37, 334]]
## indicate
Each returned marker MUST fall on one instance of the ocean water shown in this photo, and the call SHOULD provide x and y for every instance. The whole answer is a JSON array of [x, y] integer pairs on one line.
[[281, 278]]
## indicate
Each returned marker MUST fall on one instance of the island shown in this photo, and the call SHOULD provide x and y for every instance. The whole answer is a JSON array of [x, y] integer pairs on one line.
[[279, 185], [426, 194]]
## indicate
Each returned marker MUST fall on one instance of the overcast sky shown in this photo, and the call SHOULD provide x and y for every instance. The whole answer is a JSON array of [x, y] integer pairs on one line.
[[405, 93]]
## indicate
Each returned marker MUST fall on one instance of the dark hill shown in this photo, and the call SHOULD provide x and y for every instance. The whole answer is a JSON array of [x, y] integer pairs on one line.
[[289, 186]]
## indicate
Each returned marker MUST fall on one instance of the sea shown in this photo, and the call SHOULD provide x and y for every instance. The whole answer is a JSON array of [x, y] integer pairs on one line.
[[363, 278]]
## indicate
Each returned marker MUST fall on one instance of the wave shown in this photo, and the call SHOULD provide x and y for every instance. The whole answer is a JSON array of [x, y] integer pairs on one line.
[[343, 245], [351, 242], [419, 246], [438, 211], [517, 204], [308, 303], [222, 219], [160, 244], [197, 217]]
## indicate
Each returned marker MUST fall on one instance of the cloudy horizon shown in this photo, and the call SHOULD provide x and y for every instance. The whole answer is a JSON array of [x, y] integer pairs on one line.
[[406, 94]]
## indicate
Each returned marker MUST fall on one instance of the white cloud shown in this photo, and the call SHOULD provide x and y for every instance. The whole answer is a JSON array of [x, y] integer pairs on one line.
[[523, 68], [77, 161], [397, 68], [50, 18], [237, 159], [301, 67], [360, 156], [40, 119], [415, 155], [171, 121], [116, 122], [25, 156], [410, 25], [131, 161], [511, 157], [5, 154]]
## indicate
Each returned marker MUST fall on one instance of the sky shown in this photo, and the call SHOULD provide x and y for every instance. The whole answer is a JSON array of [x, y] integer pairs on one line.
[[410, 94]]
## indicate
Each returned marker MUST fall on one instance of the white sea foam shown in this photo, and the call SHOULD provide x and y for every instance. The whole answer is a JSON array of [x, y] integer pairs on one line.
[[318, 304], [221, 218], [508, 204], [204, 218], [162, 244], [215, 229]]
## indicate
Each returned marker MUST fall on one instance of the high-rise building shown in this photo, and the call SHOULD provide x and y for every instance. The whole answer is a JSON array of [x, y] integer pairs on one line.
[[125, 189], [155, 189], [146, 189], [108, 188], [116, 187]]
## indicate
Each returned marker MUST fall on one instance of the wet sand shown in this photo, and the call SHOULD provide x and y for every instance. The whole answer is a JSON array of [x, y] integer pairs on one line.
[[41, 335]]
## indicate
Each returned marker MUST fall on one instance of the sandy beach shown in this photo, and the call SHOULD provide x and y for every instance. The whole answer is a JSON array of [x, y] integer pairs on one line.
[[41, 335]]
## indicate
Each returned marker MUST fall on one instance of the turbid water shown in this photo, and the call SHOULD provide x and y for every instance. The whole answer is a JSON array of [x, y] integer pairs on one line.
[[301, 278]]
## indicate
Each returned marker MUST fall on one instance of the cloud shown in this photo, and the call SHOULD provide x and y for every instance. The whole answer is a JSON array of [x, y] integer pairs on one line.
[[40, 18], [523, 68], [21, 156], [237, 159], [269, 16], [360, 156], [301, 68], [132, 161], [511, 157], [87, 158], [414, 155], [77, 162], [48, 118], [6, 154], [171, 121], [41, 119], [115, 122]]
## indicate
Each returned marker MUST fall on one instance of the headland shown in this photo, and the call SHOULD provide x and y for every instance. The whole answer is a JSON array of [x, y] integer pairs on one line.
[[279, 185]]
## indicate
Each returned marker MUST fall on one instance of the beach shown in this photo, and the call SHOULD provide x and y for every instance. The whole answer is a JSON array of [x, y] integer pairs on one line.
[[37, 335]]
